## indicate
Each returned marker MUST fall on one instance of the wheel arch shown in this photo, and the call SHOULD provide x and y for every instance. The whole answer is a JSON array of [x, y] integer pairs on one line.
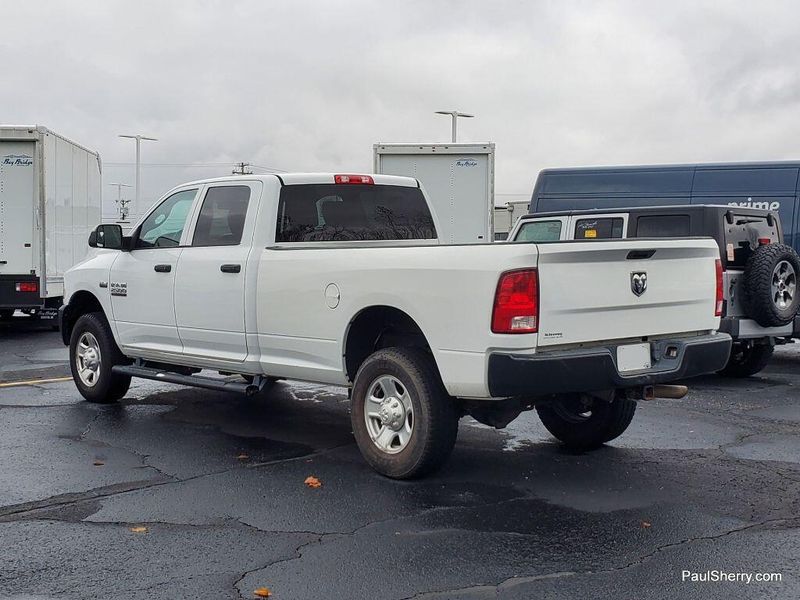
[[379, 326], [80, 303]]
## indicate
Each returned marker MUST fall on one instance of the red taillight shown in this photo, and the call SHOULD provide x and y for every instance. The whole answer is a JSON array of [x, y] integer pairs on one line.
[[516, 303], [27, 286], [354, 179], [763, 241], [720, 297]]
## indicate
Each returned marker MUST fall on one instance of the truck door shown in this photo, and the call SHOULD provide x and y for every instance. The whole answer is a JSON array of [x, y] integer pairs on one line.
[[142, 281], [210, 280], [18, 205]]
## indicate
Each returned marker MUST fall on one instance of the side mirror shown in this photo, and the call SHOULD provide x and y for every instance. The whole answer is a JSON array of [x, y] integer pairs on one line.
[[107, 236]]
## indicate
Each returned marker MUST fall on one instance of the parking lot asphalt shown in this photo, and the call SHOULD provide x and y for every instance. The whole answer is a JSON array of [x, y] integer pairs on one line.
[[185, 493]]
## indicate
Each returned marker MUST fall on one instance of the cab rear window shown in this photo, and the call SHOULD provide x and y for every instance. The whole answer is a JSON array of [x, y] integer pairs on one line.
[[331, 213], [598, 229]]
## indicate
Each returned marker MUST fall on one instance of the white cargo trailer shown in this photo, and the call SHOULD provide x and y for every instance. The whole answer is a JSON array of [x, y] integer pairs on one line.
[[50, 199], [458, 179]]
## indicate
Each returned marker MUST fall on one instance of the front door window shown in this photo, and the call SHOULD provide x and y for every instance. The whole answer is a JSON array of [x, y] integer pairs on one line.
[[164, 226]]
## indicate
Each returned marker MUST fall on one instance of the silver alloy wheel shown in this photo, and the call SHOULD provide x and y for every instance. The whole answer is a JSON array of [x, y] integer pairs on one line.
[[389, 414], [784, 284], [87, 359]]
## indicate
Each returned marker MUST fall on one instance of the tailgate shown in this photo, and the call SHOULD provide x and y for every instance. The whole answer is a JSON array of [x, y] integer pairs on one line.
[[608, 290]]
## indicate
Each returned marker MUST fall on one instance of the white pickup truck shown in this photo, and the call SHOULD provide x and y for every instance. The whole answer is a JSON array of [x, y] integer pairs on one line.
[[340, 279]]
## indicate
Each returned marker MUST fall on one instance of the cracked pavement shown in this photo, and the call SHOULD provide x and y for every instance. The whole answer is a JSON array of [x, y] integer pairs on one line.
[[708, 482]]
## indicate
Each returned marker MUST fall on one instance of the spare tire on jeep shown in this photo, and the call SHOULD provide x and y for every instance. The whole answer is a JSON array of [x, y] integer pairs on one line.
[[770, 285]]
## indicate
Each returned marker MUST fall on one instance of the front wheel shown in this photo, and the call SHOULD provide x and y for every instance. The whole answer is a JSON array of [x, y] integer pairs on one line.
[[583, 422], [92, 354], [747, 359], [404, 422]]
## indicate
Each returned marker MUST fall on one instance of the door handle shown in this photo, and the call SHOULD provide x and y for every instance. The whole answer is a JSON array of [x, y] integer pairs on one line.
[[162, 268], [231, 268]]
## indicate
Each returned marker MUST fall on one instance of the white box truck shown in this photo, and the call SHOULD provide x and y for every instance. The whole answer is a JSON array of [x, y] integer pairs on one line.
[[458, 179], [50, 199]]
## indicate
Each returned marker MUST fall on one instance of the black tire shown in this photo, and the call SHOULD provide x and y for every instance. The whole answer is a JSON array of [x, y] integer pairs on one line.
[[759, 296], [108, 387], [747, 359], [6, 314], [435, 413], [582, 422]]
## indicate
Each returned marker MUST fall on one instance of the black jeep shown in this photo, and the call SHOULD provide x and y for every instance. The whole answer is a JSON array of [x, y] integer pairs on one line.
[[760, 272]]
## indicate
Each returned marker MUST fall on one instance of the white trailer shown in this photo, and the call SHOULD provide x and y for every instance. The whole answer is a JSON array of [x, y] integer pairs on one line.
[[50, 199], [458, 179]]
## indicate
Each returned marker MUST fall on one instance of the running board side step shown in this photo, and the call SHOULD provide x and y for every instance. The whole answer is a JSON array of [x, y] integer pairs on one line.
[[209, 383]]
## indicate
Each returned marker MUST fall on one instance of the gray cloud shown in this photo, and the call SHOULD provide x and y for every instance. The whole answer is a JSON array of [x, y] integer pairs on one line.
[[312, 85]]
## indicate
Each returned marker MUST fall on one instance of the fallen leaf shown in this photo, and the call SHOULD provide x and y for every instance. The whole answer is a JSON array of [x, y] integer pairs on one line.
[[313, 482], [645, 524], [262, 592], [243, 456], [139, 529], [98, 463]]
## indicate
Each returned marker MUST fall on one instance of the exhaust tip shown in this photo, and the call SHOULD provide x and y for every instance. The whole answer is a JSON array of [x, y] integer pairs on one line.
[[675, 392]]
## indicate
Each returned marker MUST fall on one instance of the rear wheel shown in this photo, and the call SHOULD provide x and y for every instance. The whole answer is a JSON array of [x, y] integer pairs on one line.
[[747, 359], [93, 352], [583, 422], [404, 422]]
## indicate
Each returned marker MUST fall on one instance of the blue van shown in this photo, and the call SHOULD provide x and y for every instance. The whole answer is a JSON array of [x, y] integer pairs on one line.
[[771, 186]]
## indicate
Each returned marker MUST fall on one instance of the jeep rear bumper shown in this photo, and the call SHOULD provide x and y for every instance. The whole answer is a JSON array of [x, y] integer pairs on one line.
[[594, 369], [745, 329]]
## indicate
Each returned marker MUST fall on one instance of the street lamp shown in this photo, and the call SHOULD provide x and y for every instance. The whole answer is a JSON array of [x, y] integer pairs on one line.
[[454, 114], [138, 139]]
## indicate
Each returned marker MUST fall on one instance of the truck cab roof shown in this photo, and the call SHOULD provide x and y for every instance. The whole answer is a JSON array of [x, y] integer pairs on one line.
[[310, 178]]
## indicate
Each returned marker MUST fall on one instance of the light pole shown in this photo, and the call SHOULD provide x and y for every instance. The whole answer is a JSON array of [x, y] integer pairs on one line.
[[454, 114], [123, 213], [138, 139]]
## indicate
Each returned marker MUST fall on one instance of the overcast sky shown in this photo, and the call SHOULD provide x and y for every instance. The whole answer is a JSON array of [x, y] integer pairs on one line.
[[312, 85]]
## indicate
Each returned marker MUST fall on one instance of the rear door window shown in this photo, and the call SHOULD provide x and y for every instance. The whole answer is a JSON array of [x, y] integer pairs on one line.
[[341, 212], [604, 228], [540, 231], [222, 217], [663, 226]]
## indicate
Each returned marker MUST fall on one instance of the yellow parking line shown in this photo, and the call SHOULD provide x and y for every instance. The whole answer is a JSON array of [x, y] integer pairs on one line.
[[34, 381]]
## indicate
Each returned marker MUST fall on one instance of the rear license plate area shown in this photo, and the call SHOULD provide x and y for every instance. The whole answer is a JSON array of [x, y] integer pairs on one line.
[[633, 357]]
